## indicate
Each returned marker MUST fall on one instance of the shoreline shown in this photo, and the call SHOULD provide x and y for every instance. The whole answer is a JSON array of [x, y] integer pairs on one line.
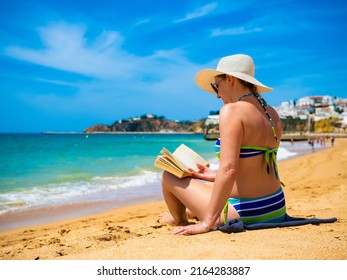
[[43, 215], [315, 186]]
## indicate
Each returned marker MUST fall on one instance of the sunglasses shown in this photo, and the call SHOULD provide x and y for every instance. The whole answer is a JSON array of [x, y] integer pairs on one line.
[[216, 84]]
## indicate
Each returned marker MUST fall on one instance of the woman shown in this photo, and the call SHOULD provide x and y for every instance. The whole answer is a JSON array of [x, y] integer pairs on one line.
[[246, 185]]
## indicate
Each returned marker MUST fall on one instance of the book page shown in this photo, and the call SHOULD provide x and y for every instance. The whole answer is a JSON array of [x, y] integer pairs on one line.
[[175, 160], [168, 163], [165, 163], [188, 158]]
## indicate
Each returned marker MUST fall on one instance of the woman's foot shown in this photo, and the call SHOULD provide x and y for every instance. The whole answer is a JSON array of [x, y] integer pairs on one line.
[[167, 219]]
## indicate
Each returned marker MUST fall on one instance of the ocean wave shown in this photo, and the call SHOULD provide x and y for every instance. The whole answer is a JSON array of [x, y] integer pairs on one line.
[[283, 154], [97, 188]]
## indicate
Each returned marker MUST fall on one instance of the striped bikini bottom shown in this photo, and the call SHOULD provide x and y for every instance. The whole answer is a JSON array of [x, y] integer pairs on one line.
[[266, 209]]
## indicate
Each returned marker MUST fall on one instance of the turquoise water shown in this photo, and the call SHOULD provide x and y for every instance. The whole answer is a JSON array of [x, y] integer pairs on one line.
[[46, 170], [38, 170]]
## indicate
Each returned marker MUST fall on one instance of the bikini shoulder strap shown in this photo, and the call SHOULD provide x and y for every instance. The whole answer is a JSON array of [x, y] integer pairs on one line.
[[264, 105]]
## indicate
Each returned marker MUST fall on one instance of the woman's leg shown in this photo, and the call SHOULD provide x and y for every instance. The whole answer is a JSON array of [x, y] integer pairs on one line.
[[180, 194]]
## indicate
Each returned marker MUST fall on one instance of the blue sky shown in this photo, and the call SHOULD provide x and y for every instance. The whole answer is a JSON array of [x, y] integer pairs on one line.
[[66, 65]]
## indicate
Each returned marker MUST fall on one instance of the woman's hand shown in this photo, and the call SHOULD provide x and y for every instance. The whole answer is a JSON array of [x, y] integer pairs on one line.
[[204, 173], [191, 229]]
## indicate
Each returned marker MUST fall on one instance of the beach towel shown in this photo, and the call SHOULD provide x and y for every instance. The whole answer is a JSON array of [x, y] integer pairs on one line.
[[234, 226]]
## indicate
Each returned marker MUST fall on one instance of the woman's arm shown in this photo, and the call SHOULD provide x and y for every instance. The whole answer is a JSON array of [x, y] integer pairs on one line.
[[231, 134], [231, 137]]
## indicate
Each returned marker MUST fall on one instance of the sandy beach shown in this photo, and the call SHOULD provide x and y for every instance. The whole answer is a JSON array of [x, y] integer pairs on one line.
[[315, 186]]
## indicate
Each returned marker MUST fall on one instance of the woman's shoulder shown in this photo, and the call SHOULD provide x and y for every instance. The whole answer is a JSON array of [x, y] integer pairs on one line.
[[232, 107], [236, 110], [232, 115]]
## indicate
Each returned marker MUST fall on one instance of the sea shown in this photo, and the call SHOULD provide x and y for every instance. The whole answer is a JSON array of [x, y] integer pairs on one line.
[[46, 177]]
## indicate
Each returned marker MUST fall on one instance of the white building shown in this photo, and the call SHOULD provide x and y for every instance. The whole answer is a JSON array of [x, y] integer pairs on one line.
[[322, 106], [212, 118]]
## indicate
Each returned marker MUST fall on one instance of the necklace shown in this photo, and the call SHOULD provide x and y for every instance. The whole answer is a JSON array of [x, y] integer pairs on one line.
[[244, 96]]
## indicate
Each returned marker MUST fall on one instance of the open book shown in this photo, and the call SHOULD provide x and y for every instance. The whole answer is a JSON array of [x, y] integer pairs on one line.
[[178, 162]]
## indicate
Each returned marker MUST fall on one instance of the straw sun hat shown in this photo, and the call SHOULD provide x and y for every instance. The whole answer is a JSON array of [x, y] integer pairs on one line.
[[239, 65]]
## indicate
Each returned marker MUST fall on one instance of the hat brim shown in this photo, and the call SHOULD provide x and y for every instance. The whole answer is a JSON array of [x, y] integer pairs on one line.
[[205, 78]]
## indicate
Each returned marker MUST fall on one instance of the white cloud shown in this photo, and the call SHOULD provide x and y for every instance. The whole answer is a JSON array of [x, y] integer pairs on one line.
[[233, 31], [200, 12], [67, 48], [58, 82], [144, 21]]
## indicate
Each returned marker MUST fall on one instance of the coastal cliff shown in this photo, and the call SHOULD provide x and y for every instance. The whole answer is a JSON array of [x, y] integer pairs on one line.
[[149, 123]]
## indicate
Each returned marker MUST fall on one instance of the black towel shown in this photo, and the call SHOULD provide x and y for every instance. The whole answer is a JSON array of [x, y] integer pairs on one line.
[[234, 226]]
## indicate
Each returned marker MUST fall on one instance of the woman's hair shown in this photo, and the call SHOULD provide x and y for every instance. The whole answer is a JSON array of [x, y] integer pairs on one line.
[[221, 76], [250, 86]]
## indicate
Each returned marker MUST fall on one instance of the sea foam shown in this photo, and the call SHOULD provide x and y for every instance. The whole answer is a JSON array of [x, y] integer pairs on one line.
[[96, 189]]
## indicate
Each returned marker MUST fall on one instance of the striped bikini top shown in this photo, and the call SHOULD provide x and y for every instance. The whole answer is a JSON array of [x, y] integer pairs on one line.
[[251, 151]]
